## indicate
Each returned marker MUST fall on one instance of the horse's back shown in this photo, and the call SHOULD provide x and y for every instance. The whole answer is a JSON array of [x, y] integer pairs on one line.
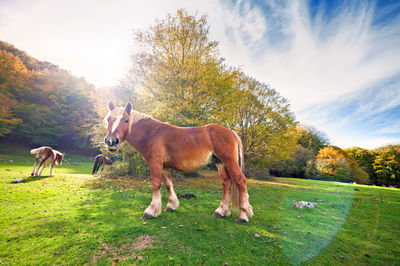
[[190, 148], [44, 151]]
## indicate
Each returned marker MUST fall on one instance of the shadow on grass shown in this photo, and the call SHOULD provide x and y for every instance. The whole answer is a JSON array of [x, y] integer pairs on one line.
[[31, 179]]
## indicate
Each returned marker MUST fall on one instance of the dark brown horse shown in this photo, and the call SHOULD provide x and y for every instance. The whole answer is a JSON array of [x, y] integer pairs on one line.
[[100, 161], [165, 147], [45, 155]]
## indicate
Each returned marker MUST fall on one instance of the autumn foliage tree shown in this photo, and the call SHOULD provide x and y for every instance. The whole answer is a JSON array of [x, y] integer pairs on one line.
[[14, 84], [179, 68], [333, 163], [387, 165]]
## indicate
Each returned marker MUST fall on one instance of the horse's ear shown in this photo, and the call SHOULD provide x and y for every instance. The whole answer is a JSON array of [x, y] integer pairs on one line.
[[128, 108], [111, 106]]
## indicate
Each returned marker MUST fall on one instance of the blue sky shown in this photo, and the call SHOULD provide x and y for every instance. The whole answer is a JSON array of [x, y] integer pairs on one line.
[[338, 62]]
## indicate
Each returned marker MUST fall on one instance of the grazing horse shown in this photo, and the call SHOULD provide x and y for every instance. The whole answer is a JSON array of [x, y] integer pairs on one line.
[[165, 147], [46, 155], [100, 161]]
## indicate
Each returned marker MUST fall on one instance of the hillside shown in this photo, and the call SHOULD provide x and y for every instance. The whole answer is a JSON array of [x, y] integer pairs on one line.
[[42, 104]]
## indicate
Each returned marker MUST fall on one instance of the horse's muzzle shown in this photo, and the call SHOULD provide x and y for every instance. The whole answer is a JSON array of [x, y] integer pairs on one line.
[[112, 143]]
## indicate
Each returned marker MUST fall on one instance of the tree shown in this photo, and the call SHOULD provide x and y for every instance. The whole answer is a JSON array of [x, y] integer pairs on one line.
[[365, 159], [261, 117], [387, 165], [7, 118], [14, 80], [334, 163], [179, 68], [311, 138]]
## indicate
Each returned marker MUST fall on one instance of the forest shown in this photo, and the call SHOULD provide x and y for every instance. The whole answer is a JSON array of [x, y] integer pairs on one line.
[[179, 77]]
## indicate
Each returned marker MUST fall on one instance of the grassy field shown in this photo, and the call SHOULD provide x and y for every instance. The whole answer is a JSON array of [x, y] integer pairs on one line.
[[75, 218]]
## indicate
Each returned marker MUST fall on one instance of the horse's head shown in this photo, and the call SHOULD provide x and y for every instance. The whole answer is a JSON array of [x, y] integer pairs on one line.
[[59, 158], [117, 122]]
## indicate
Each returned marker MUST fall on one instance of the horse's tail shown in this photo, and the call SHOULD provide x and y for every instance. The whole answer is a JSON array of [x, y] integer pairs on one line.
[[96, 163], [235, 189]]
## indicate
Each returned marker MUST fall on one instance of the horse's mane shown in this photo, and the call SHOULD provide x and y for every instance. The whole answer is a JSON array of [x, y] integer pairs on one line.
[[137, 116]]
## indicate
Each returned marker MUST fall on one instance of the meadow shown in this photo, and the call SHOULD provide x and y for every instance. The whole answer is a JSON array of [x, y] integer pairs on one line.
[[75, 218]]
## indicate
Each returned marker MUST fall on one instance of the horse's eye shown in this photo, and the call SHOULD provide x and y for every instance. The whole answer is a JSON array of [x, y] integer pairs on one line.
[[126, 121]]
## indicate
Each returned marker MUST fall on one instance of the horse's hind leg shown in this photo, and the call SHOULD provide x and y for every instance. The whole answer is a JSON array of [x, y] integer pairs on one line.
[[155, 206], [173, 201], [224, 208], [34, 165], [245, 209]]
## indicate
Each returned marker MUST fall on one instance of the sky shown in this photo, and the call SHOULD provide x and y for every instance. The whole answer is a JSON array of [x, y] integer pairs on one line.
[[337, 62]]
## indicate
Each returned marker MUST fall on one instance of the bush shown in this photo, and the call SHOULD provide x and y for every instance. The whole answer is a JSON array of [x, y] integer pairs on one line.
[[258, 173], [128, 163]]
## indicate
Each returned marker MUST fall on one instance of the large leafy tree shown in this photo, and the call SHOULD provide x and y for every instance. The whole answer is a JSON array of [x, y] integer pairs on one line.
[[179, 68], [387, 165], [261, 117]]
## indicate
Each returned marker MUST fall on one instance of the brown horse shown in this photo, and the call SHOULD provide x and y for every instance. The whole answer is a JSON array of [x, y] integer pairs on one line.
[[165, 147], [100, 161], [46, 155]]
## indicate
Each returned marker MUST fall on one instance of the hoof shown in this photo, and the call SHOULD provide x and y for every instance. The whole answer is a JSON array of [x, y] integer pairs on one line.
[[32, 174], [241, 220], [169, 209], [147, 216], [217, 215]]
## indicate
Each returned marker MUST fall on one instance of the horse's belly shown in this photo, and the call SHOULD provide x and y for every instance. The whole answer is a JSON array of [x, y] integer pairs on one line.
[[192, 163]]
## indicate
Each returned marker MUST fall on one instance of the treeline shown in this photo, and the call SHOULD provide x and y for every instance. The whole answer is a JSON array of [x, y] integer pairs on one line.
[[41, 104], [381, 164], [314, 158]]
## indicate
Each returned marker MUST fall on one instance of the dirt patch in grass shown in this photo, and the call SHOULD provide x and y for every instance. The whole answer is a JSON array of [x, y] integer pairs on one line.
[[120, 253], [141, 242]]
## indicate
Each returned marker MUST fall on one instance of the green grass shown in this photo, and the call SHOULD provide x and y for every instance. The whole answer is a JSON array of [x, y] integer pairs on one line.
[[75, 218]]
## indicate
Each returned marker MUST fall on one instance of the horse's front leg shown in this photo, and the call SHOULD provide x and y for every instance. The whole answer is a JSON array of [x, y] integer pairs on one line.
[[51, 167], [155, 206], [34, 166], [173, 201]]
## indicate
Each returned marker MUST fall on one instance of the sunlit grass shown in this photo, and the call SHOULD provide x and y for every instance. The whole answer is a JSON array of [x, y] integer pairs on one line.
[[76, 218]]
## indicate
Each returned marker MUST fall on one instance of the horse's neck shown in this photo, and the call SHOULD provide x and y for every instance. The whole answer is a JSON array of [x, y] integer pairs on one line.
[[139, 133]]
